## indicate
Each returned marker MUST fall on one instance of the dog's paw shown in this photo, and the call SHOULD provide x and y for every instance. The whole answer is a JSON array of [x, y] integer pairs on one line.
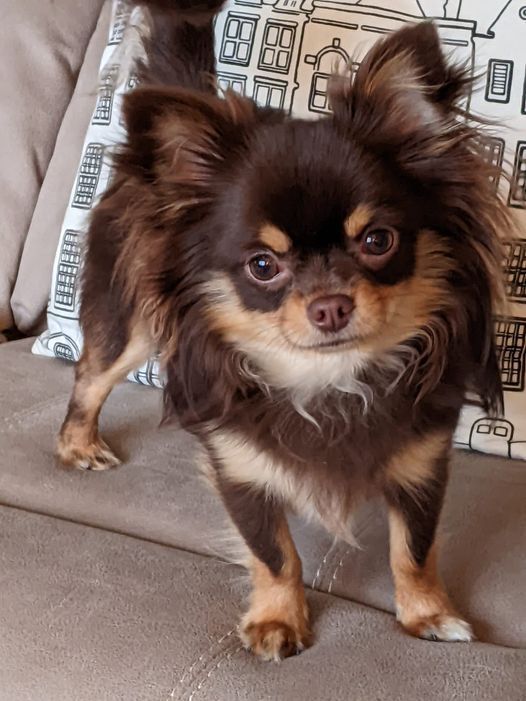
[[96, 456], [442, 627], [274, 640]]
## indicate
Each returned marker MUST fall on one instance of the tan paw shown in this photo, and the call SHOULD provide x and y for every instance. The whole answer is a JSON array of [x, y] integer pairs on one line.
[[96, 456], [442, 627], [274, 640]]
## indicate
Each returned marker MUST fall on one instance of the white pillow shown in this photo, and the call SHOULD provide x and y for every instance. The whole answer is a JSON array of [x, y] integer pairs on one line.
[[281, 53]]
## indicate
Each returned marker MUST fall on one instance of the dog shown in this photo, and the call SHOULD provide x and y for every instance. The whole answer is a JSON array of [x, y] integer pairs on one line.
[[321, 293]]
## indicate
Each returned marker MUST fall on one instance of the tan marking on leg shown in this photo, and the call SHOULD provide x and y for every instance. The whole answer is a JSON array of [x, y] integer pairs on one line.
[[422, 605], [413, 466], [79, 444], [358, 220], [277, 622], [274, 238]]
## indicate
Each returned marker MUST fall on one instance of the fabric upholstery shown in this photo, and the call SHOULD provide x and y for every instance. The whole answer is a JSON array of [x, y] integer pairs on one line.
[[31, 292], [89, 614], [158, 495], [42, 45]]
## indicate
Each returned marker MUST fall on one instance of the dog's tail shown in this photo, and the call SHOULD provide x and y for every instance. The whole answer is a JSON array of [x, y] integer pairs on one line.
[[178, 43]]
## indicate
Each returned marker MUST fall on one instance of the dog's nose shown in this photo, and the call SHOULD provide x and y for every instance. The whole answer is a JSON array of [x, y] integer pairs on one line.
[[331, 313]]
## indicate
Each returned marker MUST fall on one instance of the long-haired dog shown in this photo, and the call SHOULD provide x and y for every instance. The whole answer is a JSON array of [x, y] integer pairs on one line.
[[322, 294]]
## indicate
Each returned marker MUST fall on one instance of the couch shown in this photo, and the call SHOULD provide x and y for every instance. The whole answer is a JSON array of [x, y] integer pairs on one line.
[[123, 585]]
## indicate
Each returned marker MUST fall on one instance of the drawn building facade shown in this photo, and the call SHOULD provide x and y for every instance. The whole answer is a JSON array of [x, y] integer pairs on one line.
[[503, 97], [282, 52]]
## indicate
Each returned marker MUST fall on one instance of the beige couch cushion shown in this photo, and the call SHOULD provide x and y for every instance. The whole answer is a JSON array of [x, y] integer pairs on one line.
[[90, 615], [31, 291], [159, 495], [42, 45]]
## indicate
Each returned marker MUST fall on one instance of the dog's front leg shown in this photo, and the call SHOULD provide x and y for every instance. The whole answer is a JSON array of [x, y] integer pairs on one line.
[[277, 622], [416, 484]]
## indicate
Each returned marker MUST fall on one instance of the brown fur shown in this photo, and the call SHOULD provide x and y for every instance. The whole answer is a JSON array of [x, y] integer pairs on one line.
[[358, 220], [276, 240], [288, 413], [423, 607], [276, 624]]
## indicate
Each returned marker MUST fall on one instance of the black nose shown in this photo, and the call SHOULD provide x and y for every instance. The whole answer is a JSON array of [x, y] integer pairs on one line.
[[331, 313]]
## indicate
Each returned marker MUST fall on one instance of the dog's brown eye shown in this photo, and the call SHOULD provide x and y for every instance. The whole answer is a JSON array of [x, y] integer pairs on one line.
[[378, 242], [263, 267]]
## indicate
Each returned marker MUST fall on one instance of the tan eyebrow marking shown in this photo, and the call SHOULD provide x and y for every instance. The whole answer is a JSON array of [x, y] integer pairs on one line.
[[358, 220], [274, 238]]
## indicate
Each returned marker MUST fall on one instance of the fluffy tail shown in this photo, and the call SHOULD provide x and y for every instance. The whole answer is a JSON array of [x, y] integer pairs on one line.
[[179, 43]]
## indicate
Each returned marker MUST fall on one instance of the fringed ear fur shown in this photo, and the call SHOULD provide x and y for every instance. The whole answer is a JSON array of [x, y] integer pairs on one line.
[[402, 92], [183, 136]]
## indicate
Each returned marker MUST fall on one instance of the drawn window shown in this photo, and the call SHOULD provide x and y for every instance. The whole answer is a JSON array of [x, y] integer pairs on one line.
[[288, 4], [319, 98], [499, 79], [89, 174], [122, 14], [64, 352], [511, 348], [515, 270], [68, 268], [146, 375], [492, 149], [232, 82], [518, 185], [237, 39], [105, 100], [269, 94], [483, 428], [277, 47]]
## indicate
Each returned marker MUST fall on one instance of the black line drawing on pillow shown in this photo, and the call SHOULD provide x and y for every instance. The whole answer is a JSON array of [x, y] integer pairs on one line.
[[498, 431], [148, 374], [510, 336], [493, 151], [238, 39], [498, 80], [104, 107], [89, 175], [67, 271], [232, 81], [269, 92], [515, 270], [120, 21], [517, 196], [277, 46], [63, 346]]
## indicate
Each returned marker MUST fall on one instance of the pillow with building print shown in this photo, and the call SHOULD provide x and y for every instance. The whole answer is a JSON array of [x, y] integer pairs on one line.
[[281, 53]]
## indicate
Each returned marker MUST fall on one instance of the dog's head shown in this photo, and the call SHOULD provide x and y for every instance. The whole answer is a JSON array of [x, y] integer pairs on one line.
[[309, 249]]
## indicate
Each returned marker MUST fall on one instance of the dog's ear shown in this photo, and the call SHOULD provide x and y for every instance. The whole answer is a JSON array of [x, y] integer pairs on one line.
[[403, 92], [183, 136]]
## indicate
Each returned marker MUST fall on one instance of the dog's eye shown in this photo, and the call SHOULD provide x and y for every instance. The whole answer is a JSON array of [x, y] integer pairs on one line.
[[264, 267], [378, 242]]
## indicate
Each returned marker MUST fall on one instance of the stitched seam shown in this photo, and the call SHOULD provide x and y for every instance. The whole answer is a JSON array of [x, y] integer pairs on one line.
[[204, 680], [201, 664]]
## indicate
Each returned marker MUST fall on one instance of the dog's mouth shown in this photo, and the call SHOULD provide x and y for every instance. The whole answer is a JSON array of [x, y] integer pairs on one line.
[[332, 345]]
